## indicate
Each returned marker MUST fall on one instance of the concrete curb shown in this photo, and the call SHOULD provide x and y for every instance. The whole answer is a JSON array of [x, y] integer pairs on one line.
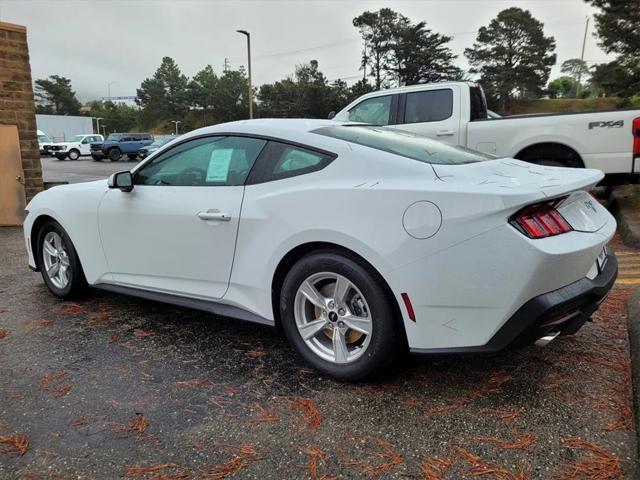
[[624, 202], [633, 313]]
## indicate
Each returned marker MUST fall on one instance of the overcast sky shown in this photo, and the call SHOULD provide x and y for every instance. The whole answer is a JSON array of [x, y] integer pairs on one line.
[[98, 42]]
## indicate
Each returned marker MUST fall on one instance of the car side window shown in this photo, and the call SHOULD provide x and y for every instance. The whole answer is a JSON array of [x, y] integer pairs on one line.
[[281, 160], [203, 162], [375, 111], [428, 106]]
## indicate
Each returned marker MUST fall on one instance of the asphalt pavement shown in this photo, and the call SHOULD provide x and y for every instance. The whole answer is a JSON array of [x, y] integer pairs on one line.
[[111, 387], [84, 169]]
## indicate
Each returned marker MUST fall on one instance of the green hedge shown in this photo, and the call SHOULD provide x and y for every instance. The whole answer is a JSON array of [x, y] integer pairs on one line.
[[548, 105]]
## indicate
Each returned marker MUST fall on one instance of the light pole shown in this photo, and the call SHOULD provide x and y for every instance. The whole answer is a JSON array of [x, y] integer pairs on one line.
[[98, 124], [109, 88], [104, 130], [244, 32], [176, 122]]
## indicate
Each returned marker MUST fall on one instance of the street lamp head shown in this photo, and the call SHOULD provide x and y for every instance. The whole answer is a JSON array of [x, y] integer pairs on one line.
[[244, 32]]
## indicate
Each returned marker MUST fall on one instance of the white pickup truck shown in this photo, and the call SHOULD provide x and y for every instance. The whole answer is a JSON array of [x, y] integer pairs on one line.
[[457, 113], [75, 147]]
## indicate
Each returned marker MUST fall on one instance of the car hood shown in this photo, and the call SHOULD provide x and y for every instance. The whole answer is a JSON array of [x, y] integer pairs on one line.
[[508, 175], [64, 144]]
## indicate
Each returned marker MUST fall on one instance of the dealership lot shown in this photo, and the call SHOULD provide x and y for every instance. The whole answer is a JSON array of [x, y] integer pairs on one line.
[[113, 386], [83, 170]]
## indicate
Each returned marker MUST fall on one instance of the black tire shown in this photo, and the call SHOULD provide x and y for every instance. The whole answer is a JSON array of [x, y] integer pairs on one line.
[[379, 350], [115, 154], [549, 163], [74, 154], [97, 158], [132, 157], [77, 284]]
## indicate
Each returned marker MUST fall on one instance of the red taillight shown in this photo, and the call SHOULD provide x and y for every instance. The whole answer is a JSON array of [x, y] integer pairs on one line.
[[540, 220], [636, 137]]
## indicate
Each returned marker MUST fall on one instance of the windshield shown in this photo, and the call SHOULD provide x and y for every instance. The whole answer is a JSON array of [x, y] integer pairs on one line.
[[44, 139], [76, 138], [161, 141], [405, 144], [114, 136]]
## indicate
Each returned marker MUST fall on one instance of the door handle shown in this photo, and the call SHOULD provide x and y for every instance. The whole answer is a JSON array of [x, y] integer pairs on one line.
[[214, 215], [444, 133]]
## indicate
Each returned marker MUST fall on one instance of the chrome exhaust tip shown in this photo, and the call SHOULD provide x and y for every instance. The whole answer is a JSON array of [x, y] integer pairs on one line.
[[547, 339]]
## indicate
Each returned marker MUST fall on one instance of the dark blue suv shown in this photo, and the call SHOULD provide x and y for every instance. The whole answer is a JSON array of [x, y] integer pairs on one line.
[[118, 144]]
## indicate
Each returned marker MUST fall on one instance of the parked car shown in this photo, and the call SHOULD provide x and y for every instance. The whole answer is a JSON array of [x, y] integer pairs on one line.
[[144, 152], [456, 113], [43, 142], [358, 240], [118, 144], [75, 147]]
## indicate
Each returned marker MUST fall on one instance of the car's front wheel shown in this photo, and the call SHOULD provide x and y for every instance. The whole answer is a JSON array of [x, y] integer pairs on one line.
[[74, 154], [59, 262], [337, 315], [114, 155]]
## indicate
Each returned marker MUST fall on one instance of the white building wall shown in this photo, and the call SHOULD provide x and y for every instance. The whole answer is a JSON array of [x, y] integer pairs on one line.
[[62, 127]]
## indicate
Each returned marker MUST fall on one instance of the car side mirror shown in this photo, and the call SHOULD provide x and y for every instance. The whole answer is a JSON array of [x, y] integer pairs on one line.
[[121, 180], [332, 114]]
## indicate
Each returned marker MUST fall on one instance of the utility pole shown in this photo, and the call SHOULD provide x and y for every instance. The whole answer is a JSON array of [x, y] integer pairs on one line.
[[584, 42], [225, 65], [109, 88], [244, 32], [98, 124], [104, 130]]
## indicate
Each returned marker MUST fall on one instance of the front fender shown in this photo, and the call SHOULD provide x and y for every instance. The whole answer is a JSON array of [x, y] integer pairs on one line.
[[75, 208]]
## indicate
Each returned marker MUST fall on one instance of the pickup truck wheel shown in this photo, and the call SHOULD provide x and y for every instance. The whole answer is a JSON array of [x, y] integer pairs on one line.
[[550, 163], [115, 155], [74, 154]]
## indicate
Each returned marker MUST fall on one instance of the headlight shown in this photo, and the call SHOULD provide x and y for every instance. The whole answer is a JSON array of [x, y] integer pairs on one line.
[[63, 147]]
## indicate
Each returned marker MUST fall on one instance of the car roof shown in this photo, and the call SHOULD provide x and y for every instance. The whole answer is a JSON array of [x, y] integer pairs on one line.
[[292, 129]]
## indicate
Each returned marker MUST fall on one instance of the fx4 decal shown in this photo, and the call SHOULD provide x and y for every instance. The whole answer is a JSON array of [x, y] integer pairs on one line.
[[609, 124]]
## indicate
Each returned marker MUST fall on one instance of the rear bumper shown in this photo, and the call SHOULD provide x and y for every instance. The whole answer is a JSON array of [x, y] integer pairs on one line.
[[562, 311]]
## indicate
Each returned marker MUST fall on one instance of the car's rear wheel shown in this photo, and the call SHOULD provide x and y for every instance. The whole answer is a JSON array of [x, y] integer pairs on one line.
[[59, 263], [337, 315], [115, 154], [74, 154]]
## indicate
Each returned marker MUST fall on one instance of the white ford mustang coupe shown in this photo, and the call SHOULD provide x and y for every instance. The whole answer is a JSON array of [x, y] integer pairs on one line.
[[356, 240]]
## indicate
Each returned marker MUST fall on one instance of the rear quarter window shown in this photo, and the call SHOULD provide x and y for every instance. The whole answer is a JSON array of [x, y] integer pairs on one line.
[[281, 160]]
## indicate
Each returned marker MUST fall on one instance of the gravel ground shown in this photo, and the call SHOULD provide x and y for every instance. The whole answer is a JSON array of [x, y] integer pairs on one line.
[[113, 387]]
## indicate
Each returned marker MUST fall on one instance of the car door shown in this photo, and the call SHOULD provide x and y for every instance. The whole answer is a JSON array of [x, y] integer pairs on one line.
[[85, 145], [433, 112], [175, 231]]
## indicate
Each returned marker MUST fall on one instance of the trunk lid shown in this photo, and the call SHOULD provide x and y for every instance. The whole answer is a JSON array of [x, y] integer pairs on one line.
[[520, 183]]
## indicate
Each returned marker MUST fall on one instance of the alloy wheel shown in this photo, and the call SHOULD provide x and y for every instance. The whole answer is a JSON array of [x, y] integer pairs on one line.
[[332, 317], [56, 260]]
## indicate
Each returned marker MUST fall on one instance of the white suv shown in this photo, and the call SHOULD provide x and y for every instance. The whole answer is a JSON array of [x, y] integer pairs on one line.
[[77, 146]]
